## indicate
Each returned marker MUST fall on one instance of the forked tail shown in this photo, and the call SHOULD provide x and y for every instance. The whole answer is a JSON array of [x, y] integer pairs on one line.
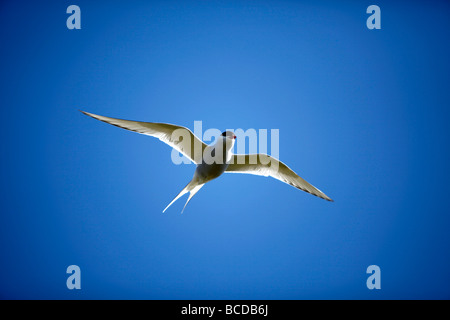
[[192, 187]]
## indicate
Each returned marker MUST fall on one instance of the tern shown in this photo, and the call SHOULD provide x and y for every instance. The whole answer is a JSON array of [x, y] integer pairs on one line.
[[213, 160]]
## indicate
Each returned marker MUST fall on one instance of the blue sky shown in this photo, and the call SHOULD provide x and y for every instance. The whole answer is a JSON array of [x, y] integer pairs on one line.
[[362, 114]]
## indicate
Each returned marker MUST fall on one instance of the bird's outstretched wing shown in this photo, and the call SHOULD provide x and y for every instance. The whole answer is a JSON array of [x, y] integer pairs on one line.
[[180, 138], [265, 165]]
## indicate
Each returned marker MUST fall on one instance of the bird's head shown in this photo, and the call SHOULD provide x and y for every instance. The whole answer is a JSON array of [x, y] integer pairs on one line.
[[228, 137]]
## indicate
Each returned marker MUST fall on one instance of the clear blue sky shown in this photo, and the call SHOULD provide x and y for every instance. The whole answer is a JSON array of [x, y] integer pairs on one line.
[[363, 115]]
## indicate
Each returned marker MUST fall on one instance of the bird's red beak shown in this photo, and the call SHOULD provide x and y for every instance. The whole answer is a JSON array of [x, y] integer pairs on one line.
[[234, 137]]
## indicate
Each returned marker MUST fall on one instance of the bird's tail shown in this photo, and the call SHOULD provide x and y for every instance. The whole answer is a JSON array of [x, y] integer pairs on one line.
[[192, 187]]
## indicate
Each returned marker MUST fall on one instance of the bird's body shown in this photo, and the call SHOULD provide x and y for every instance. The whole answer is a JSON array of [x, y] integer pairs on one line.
[[208, 170], [220, 151], [213, 160]]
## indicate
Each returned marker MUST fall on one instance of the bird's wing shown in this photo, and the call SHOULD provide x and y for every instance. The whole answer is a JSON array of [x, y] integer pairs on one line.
[[265, 165], [180, 138]]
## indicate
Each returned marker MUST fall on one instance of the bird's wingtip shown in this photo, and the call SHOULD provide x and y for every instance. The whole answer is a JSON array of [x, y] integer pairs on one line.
[[83, 112]]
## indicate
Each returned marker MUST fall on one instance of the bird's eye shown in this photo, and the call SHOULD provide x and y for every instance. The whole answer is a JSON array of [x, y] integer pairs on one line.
[[224, 134]]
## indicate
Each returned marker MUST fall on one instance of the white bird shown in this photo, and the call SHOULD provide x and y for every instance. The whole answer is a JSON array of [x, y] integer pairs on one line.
[[213, 160]]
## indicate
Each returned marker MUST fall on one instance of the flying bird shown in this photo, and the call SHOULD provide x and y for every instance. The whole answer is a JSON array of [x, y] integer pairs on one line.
[[213, 160]]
